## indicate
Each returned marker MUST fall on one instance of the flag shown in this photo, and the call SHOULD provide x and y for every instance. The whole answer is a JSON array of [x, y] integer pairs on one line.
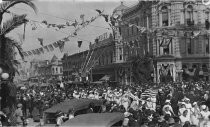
[[66, 39], [37, 51], [130, 25], [99, 11], [79, 43], [55, 44], [40, 40], [41, 50], [60, 26], [50, 47], [30, 53], [106, 17], [195, 34], [82, 17], [46, 47], [67, 23], [61, 45], [143, 29], [44, 22], [75, 23], [149, 93], [34, 52], [25, 54], [165, 42]]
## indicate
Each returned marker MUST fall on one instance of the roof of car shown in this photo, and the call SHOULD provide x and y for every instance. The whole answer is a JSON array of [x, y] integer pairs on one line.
[[95, 119]]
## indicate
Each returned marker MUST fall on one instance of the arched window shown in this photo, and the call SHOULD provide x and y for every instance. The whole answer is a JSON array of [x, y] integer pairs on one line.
[[189, 14], [165, 20]]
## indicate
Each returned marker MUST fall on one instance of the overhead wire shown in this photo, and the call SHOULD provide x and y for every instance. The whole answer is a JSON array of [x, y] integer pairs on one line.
[[61, 18]]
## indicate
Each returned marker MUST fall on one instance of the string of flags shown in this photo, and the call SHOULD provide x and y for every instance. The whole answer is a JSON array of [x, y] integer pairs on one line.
[[60, 43]]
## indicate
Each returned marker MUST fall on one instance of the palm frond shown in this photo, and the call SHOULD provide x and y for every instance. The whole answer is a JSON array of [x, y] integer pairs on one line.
[[17, 46], [4, 6], [13, 23]]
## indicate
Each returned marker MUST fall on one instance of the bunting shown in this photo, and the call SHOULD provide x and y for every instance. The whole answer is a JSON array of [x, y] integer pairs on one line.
[[79, 43], [40, 41], [60, 43]]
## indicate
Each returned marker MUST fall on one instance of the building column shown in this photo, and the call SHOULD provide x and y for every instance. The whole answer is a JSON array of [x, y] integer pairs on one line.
[[158, 74]]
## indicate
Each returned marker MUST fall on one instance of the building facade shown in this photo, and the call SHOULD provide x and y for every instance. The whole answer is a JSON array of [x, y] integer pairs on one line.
[[72, 65], [181, 40]]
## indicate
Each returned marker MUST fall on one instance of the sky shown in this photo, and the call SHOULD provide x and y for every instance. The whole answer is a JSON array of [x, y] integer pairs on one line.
[[58, 12]]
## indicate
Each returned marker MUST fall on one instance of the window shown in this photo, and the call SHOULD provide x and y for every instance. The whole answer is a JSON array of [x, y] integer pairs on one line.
[[207, 45], [166, 50], [120, 31], [120, 52], [61, 70], [165, 20], [56, 70], [207, 15], [137, 24], [189, 45], [189, 15]]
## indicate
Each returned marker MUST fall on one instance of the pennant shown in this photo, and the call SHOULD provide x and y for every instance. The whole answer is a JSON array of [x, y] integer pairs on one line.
[[24, 53], [55, 44], [41, 50], [46, 47], [30, 53], [44, 22], [37, 51], [60, 26], [143, 29], [99, 11], [79, 43], [50, 47], [34, 27], [106, 17], [75, 23], [66, 39], [40, 40], [130, 25], [67, 23], [92, 19], [195, 34], [34, 52], [61, 45], [82, 17]]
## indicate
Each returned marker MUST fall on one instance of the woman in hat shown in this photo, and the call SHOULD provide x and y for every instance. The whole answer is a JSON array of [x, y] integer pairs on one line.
[[19, 114], [184, 117], [59, 119], [195, 113]]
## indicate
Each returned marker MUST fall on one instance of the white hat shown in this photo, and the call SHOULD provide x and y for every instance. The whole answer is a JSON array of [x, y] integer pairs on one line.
[[195, 103], [168, 101], [126, 114], [203, 107]]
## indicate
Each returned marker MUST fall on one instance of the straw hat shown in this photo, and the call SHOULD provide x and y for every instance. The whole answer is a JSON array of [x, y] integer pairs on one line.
[[19, 105]]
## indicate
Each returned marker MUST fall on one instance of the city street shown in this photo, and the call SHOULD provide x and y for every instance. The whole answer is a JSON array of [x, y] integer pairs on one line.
[[123, 63]]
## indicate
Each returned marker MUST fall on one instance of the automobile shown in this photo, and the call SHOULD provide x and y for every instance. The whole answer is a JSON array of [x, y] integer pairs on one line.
[[96, 120], [79, 106]]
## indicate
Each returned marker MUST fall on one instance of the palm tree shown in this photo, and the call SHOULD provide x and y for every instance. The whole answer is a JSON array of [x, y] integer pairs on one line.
[[8, 47]]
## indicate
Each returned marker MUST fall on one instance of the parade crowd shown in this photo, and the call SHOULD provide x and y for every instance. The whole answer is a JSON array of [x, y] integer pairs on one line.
[[183, 104]]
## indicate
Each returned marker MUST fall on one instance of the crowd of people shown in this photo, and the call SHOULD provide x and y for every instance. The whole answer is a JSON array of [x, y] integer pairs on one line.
[[181, 104]]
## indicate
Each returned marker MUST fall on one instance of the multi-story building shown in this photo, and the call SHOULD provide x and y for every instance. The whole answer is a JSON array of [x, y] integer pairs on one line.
[[101, 58], [73, 65], [46, 69], [181, 39]]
